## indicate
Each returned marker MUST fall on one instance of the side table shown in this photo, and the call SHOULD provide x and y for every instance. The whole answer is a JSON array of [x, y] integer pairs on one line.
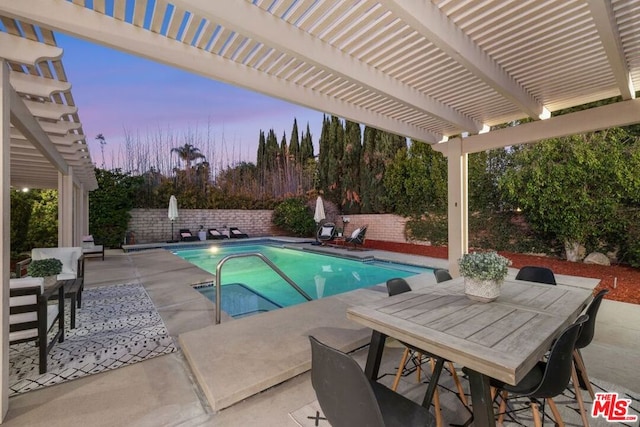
[[73, 290]]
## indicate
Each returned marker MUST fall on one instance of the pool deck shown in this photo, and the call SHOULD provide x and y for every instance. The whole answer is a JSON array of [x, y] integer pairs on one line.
[[250, 371]]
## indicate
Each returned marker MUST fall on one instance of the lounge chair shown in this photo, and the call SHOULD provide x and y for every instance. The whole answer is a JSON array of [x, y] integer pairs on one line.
[[234, 233], [31, 318], [357, 237], [187, 236], [214, 234], [326, 232], [90, 249], [72, 273]]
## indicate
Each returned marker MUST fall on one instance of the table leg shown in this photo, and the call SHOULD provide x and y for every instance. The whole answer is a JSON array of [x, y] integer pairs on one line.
[[375, 355], [481, 399], [433, 382], [61, 313], [73, 311]]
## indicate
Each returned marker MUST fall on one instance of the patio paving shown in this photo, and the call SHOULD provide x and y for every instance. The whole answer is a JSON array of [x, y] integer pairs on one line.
[[212, 381]]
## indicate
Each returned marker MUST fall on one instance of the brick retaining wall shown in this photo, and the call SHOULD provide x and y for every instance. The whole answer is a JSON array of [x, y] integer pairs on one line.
[[152, 225]]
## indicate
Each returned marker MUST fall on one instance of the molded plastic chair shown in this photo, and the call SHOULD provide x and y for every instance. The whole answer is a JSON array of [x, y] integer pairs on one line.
[[442, 275], [547, 379], [357, 237], [397, 286], [584, 339], [326, 232], [536, 274], [214, 234], [348, 398]]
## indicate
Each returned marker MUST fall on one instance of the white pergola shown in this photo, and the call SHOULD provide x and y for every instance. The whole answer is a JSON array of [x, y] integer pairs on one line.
[[442, 71]]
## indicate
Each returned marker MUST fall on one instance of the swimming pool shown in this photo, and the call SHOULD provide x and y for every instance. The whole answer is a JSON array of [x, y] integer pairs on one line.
[[250, 282]]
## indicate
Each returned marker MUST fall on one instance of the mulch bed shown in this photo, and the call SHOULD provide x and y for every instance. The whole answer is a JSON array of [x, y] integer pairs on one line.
[[622, 281]]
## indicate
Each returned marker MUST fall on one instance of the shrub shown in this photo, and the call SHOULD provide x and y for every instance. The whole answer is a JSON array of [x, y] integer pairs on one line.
[[44, 267], [293, 216]]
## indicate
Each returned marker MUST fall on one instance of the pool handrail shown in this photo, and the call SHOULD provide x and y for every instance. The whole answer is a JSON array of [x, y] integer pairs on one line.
[[266, 261]]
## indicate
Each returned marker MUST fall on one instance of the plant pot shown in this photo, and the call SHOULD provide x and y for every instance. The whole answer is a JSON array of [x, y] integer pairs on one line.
[[482, 290]]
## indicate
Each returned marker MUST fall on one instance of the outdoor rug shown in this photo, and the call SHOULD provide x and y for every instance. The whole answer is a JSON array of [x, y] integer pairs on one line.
[[117, 325], [455, 413]]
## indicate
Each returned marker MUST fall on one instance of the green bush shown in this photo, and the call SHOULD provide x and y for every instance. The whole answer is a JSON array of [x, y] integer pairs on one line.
[[44, 267], [432, 228], [294, 217]]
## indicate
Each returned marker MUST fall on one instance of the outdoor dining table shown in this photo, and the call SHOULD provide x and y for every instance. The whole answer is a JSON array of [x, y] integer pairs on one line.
[[502, 339]]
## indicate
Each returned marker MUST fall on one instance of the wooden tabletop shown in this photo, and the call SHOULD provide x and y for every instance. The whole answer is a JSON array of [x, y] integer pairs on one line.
[[502, 339]]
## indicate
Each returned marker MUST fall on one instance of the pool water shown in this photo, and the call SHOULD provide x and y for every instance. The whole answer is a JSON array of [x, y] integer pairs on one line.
[[318, 275]]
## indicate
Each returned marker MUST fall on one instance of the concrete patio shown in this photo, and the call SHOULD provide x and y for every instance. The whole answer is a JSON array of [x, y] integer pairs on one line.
[[250, 371]]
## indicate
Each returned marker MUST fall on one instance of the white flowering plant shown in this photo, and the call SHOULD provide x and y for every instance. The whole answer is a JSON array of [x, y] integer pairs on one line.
[[484, 266]]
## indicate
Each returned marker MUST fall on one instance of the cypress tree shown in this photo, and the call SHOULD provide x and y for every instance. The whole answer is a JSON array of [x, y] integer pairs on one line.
[[351, 159], [306, 147], [324, 153], [294, 144]]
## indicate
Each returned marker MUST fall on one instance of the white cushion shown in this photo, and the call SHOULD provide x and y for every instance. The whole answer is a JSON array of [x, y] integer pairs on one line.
[[68, 256], [52, 312], [326, 231], [87, 238], [26, 282], [355, 233], [215, 233]]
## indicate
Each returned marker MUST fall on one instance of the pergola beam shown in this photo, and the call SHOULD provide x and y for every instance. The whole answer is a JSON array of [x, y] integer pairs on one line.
[[602, 14], [622, 113], [22, 120], [264, 27], [427, 19], [83, 23], [25, 51]]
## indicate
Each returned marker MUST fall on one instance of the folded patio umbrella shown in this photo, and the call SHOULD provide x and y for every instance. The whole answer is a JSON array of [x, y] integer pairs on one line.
[[173, 212]]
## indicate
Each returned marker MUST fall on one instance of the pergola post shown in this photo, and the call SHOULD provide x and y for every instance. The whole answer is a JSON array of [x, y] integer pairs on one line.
[[65, 209], [458, 206], [5, 233]]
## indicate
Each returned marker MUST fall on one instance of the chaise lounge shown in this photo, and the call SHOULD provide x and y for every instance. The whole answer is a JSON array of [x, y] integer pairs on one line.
[[214, 234], [234, 233], [90, 249], [187, 236]]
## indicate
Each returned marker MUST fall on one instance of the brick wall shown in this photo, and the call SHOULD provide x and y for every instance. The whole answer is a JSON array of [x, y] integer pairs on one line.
[[152, 225], [385, 227]]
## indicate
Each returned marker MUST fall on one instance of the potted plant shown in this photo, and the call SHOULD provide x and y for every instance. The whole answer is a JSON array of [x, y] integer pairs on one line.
[[47, 268], [483, 274]]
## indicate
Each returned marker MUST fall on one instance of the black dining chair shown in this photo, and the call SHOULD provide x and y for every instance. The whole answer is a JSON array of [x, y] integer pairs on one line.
[[397, 286], [442, 275], [548, 378], [579, 376], [536, 274], [348, 398]]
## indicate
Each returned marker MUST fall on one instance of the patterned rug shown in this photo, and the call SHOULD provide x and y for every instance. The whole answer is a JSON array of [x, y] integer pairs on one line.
[[118, 325], [455, 413]]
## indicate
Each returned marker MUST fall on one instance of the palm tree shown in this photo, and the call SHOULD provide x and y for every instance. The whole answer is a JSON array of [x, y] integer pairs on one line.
[[188, 154]]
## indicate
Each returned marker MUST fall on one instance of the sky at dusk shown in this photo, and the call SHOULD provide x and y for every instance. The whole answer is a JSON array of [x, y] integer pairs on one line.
[[115, 91]]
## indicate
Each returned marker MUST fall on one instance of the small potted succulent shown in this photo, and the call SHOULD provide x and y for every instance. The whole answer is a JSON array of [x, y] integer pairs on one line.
[[483, 274]]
